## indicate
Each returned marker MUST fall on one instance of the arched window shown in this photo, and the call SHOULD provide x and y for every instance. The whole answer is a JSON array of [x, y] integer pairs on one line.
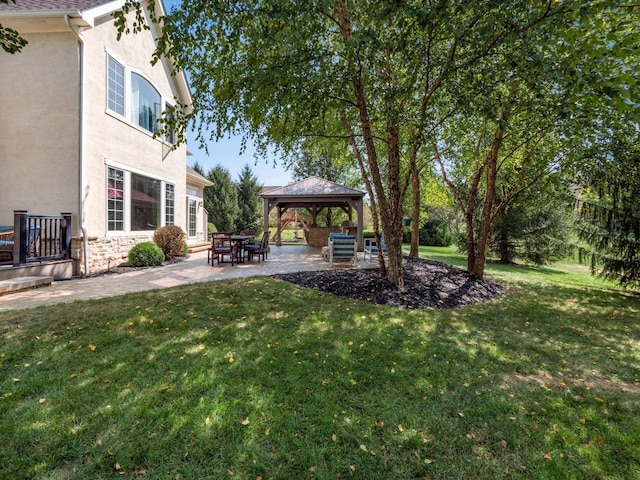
[[145, 103]]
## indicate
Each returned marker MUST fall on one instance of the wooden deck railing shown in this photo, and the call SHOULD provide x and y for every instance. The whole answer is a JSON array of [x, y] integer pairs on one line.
[[38, 237]]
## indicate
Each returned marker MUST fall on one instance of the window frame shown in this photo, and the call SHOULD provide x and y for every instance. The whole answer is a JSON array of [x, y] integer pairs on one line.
[[127, 116], [126, 201]]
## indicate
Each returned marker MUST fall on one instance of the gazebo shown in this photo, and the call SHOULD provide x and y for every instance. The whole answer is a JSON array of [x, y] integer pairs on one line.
[[314, 194]]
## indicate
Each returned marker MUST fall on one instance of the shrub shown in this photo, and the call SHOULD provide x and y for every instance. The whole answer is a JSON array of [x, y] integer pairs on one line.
[[170, 239], [145, 254], [185, 249], [435, 233]]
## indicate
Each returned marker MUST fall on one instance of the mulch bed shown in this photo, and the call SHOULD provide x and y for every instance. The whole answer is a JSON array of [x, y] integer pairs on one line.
[[427, 285]]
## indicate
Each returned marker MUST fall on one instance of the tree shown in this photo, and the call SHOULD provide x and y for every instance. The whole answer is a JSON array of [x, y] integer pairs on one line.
[[609, 209], [10, 40], [199, 168], [535, 226], [221, 200], [518, 112], [371, 73], [248, 201]]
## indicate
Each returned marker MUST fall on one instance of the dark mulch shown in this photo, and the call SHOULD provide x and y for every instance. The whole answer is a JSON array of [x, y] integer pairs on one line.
[[427, 285]]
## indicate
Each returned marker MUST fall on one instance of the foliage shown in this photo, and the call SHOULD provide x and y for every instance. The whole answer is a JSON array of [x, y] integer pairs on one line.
[[250, 378], [534, 227], [382, 78], [170, 239], [145, 254], [609, 211], [435, 233], [10, 40], [249, 203], [221, 200]]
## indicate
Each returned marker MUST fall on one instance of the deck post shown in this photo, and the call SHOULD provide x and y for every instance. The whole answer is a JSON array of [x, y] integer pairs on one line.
[[65, 234], [19, 236]]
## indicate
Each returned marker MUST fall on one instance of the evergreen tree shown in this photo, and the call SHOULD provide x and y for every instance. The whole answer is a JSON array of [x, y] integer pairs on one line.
[[609, 213], [221, 200], [199, 168], [248, 201], [534, 227]]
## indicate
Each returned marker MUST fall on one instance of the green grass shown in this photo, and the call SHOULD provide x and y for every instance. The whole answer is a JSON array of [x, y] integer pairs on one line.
[[257, 378]]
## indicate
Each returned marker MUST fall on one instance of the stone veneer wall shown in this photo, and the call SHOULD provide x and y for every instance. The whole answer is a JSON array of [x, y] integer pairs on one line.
[[319, 236], [104, 253]]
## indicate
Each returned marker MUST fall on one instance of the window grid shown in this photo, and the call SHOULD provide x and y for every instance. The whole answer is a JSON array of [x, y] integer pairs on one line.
[[192, 217], [169, 204], [115, 86], [115, 200]]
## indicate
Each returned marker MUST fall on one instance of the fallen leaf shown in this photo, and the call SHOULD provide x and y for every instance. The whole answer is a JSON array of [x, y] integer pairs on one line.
[[117, 466], [461, 415], [363, 448], [42, 400], [245, 421], [142, 471], [267, 431], [379, 423], [400, 427], [547, 456], [352, 468], [333, 437], [92, 348], [352, 381]]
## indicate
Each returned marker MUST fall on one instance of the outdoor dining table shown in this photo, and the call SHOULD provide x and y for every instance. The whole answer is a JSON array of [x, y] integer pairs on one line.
[[240, 241]]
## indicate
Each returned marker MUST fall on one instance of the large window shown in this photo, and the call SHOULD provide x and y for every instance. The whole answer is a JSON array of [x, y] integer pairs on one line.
[[145, 103], [115, 86], [137, 202], [132, 96], [145, 203]]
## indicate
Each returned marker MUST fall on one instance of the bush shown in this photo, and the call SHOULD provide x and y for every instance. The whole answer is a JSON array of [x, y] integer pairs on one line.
[[435, 233], [170, 239], [145, 254]]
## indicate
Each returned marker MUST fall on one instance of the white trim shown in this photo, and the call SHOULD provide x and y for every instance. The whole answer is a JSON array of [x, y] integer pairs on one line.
[[91, 14], [123, 166]]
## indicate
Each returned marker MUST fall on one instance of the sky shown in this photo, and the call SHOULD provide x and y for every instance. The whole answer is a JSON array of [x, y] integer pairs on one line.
[[226, 152]]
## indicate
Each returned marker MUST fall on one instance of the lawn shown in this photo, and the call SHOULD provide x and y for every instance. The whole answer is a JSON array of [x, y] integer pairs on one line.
[[259, 379]]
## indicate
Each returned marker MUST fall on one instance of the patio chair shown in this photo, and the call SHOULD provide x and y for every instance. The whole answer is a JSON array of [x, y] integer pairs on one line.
[[371, 247], [342, 250], [258, 249], [32, 243], [222, 245]]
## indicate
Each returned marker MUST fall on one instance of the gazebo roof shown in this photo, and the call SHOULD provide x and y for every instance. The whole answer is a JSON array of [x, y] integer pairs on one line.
[[313, 187]]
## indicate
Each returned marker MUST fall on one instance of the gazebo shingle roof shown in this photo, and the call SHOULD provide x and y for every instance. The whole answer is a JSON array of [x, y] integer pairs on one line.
[[313, 187]]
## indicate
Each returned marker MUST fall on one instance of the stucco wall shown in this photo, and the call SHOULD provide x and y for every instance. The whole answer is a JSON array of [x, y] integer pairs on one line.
[[39, 91], [41, 119]]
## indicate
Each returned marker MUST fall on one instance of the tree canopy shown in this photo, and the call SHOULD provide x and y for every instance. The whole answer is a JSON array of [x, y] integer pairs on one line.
[[402, 82]]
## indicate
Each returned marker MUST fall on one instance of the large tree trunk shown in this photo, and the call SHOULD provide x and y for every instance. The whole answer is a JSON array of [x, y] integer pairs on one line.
[[477, 263], [388, 198]]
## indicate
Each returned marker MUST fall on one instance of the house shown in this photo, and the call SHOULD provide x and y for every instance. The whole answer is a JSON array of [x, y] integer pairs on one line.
[[78, 110]]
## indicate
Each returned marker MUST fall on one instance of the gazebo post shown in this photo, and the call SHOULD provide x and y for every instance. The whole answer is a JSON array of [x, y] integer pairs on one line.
[[360, 234]]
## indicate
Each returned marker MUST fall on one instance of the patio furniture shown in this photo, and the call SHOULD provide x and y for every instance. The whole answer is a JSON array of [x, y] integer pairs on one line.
[[32, 242], [258, 249], [342, 250], [222, 245], [371, 247]]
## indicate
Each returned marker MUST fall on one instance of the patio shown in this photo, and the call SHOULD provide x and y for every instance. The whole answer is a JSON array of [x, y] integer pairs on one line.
[[194, 269]]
